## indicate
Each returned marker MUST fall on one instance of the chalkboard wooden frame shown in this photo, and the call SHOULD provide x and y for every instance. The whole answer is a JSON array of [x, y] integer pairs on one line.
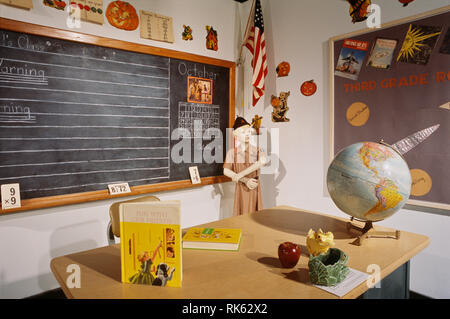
[[332, 93], [67, 199]]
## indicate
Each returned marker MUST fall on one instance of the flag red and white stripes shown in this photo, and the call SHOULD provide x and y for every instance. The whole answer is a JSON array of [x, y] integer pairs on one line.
[[257, 45]]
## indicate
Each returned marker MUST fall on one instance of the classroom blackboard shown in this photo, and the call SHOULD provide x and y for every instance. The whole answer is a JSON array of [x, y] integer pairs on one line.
[[406, 90], [80, 112]]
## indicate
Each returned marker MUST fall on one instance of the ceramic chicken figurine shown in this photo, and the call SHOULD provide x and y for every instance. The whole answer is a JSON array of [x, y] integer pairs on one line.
[[319, 242]]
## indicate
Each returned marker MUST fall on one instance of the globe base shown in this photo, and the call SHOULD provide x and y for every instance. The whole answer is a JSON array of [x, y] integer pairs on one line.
[[368, 231]]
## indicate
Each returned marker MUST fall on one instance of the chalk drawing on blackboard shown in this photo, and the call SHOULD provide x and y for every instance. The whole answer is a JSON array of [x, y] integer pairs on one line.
[[199, 90], [197, 118]]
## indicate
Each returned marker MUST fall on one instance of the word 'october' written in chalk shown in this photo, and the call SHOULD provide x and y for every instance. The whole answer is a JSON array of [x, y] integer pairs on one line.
[[389, 83]]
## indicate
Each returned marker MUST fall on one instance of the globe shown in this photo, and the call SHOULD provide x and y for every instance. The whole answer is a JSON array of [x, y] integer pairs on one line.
[[369, 181]]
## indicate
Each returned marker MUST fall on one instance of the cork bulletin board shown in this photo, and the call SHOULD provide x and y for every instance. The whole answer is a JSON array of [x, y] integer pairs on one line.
[[391, 82]]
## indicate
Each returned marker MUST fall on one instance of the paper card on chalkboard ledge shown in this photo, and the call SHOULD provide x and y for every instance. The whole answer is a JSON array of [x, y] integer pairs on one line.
[[195, 176], [10, 196], [156, 27], [119, 188], [24, 4]]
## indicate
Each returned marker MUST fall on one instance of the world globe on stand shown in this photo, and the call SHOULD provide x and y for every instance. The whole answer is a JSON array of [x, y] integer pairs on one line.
[[369, 181]]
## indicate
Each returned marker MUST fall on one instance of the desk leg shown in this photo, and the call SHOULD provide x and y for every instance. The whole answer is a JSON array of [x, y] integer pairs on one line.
[[394, 286]]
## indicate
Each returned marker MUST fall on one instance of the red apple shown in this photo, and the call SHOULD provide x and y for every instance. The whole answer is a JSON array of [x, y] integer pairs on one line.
[[288, 253]]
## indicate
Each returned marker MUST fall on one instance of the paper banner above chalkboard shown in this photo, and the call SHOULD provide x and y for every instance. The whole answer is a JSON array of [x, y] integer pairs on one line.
[[25, 4], [80, 10], [156, 27]]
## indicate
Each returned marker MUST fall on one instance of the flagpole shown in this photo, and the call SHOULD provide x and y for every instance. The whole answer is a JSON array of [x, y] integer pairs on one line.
[[252, 9]]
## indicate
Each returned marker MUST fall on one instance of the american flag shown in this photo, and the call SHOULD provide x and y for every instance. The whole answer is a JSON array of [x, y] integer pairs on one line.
[[257, 45]]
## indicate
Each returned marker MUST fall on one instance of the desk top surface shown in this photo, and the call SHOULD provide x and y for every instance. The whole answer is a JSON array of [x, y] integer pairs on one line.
[[254, 271]]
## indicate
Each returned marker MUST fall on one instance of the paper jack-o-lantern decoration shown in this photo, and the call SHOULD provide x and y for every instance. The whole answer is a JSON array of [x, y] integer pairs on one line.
[[122, 15], [308, 88], [283, 69]]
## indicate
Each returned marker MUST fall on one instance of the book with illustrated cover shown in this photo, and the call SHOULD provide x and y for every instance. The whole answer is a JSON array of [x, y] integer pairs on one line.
[[150, 243], [419, 43], [351, 58], [382, 53], [212, 238]]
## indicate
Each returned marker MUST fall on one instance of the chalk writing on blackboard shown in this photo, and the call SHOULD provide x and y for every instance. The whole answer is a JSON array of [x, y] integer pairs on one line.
[[206, 115]]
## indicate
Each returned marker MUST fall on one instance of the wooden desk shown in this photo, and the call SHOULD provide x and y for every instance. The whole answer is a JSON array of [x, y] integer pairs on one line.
[[253, 272]]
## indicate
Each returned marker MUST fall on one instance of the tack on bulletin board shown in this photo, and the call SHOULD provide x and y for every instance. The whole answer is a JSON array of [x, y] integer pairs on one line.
[[156, 27]]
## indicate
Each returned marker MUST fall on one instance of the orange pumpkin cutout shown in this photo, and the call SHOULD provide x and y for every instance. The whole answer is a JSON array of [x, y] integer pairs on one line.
[[308, 88], [283, 69], [122, 15]]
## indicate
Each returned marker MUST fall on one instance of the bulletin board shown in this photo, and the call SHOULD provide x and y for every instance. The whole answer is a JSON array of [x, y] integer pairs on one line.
[[383, 87], [80, 112]]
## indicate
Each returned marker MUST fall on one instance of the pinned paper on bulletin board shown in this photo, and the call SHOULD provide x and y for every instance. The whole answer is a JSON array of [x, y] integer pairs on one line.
[[156, 27], [24, 4]]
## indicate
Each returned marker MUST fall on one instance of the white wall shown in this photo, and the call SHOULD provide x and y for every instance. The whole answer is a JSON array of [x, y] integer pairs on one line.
[[297, 31], [29, 240]]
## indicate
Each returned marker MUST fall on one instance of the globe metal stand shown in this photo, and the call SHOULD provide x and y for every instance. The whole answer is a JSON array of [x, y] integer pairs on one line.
[[368, 231]]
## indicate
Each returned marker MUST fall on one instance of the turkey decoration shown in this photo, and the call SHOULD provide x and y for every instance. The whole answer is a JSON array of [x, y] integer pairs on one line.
[[405, 2], [308, 88], [358, 9]]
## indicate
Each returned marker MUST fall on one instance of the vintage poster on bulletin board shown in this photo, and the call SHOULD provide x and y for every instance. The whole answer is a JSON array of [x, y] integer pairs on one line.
[[406, 90]]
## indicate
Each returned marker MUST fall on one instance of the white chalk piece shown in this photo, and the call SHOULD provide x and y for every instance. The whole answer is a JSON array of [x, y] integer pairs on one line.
[[10, 196], [121, 188], [195, 176]]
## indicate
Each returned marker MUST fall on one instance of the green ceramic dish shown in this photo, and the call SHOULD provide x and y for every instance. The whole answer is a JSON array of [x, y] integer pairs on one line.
[[328, 269]]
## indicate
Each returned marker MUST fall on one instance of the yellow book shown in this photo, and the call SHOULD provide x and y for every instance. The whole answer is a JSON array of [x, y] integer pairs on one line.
[[150, 243], [212, 238]]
